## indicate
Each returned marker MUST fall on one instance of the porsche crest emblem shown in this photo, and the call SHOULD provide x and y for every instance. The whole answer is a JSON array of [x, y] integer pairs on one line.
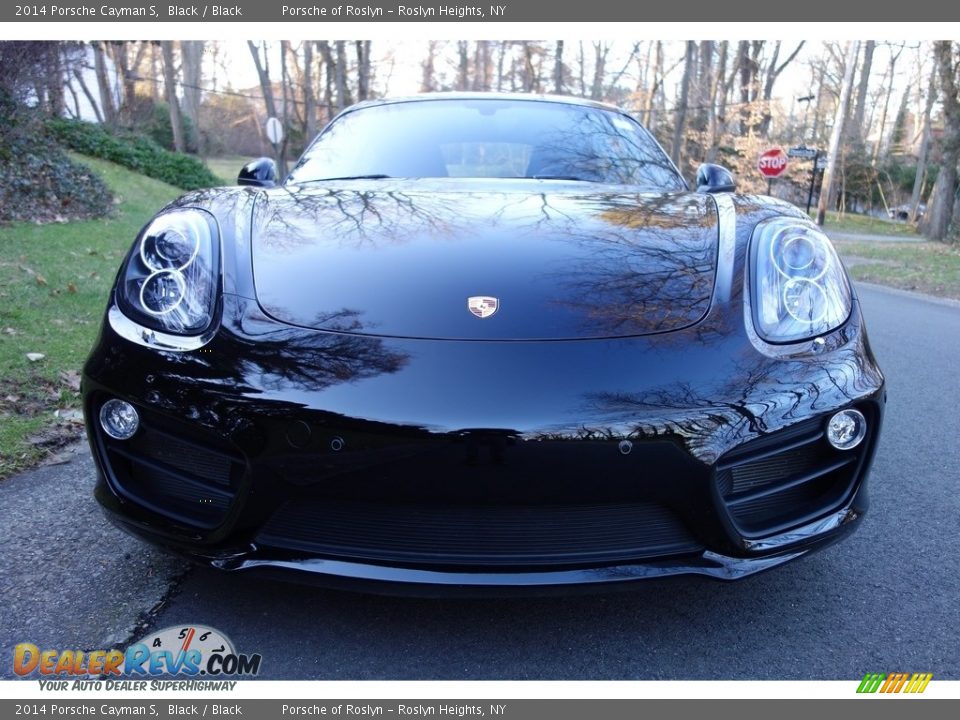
[[482, 306]]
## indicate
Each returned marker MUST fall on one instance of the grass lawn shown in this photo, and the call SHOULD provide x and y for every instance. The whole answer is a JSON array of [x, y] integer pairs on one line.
[[927, 267], [54, 281], [228, 167], [867, 225]]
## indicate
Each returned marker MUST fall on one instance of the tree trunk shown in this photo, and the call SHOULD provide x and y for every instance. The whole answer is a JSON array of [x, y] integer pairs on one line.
[[463, 66], [170, 87], [191, 52], [676, 150], [746, 82], [89, 95], [558, 68], [936, 221], [104, 85], [582, 68], [719, 74], [363, 69], [773, 72], [650, 114], [853, 49], [263, 73], [285, 107], [818, 107], [600, 51], [880, 146], [340, 76], [121, 64], [309, 96], [924, 146], [501, 57], [327, 59], [428, 68], [857, 125], [54, 80]]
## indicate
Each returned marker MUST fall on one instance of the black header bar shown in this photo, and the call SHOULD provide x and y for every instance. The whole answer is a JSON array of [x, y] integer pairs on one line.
[[483, 11]]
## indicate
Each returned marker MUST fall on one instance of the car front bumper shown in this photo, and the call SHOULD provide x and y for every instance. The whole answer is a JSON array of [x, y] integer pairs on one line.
[[437, 467]]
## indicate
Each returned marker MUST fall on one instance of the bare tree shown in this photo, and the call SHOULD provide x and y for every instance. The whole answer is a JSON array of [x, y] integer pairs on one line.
[[676, 149], [888, 83], [170, 87], [853, 49], [191, 54], [717, 102], [773, 72], [340, 76], [78, 75], [856, 125], [924, 146], [936, 221], [601, 51], [428, 82], [107, 103], [650, 113], [558, 68], [309, 96], [326, 55], [363, 69], [263, 73], [463, 67]]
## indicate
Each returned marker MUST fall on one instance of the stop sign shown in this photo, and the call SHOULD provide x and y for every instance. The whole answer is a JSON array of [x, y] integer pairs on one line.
[[772, 162]]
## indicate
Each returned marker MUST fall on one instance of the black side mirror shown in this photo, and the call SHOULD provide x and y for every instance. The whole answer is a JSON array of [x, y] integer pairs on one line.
[[261, 172], [715, 179]]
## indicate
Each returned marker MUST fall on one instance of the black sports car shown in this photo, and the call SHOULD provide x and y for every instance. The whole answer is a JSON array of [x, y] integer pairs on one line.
[[483, 342]]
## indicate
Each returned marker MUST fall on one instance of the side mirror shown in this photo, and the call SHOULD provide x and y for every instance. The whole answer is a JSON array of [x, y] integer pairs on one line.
[[261, 172], [715, 179]]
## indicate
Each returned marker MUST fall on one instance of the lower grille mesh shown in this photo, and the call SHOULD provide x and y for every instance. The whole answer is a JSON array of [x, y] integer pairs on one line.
[[479, 535], [786, 478], [188, 483]]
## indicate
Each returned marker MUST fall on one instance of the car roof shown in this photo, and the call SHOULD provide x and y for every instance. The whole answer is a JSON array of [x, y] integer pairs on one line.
[[519, 97]]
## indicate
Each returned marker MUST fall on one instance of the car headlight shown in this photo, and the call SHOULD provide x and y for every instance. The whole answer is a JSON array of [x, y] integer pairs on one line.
[[169, 282], [799, 288]]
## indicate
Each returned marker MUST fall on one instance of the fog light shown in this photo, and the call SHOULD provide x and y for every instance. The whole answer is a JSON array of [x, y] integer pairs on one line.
[[846, 429], [119, 419]]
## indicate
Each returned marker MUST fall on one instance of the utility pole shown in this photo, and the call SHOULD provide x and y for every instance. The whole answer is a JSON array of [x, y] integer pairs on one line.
[[836, 134]]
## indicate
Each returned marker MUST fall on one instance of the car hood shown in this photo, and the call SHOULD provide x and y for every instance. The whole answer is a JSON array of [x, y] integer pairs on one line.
[[555, 260]]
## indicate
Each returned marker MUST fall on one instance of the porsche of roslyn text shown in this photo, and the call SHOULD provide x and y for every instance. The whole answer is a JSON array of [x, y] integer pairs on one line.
[[483, 343]]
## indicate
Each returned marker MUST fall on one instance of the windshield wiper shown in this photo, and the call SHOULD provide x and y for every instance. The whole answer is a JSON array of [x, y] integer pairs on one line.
[[560, 177], [354, 177]]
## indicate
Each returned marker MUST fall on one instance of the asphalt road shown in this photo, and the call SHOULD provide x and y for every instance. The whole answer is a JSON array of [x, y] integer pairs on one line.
[[886, 599]]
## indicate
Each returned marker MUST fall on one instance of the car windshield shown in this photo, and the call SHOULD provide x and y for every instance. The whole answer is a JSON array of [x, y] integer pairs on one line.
[[488, 138]]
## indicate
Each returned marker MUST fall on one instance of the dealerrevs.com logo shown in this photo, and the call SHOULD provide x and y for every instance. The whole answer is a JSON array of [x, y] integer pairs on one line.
[[191, 651]]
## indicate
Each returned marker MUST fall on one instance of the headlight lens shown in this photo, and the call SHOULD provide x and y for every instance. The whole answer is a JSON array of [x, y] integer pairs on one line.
[[799, 288], [170, 280]]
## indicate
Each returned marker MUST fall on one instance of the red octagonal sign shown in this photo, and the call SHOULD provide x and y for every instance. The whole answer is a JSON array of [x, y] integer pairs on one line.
[[772, 162]]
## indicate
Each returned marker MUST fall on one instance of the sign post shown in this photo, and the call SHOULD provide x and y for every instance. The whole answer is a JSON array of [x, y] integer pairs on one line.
[[802, 152], [772, 163], [274, 130]]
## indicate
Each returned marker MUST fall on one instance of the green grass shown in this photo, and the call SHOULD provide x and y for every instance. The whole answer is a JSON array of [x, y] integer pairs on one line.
[[928, 267], [867, 225], [228, 167], [54, 282]]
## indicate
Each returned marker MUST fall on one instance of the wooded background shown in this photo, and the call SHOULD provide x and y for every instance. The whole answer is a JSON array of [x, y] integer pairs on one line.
[[888, 109]]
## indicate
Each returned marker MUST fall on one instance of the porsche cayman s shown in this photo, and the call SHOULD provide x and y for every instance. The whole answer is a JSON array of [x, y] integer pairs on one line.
[[482, 343]]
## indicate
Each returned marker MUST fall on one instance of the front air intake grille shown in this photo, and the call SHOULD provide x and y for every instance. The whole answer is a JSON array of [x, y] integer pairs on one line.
[[192, 482], [786, 478], [475, 536]]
